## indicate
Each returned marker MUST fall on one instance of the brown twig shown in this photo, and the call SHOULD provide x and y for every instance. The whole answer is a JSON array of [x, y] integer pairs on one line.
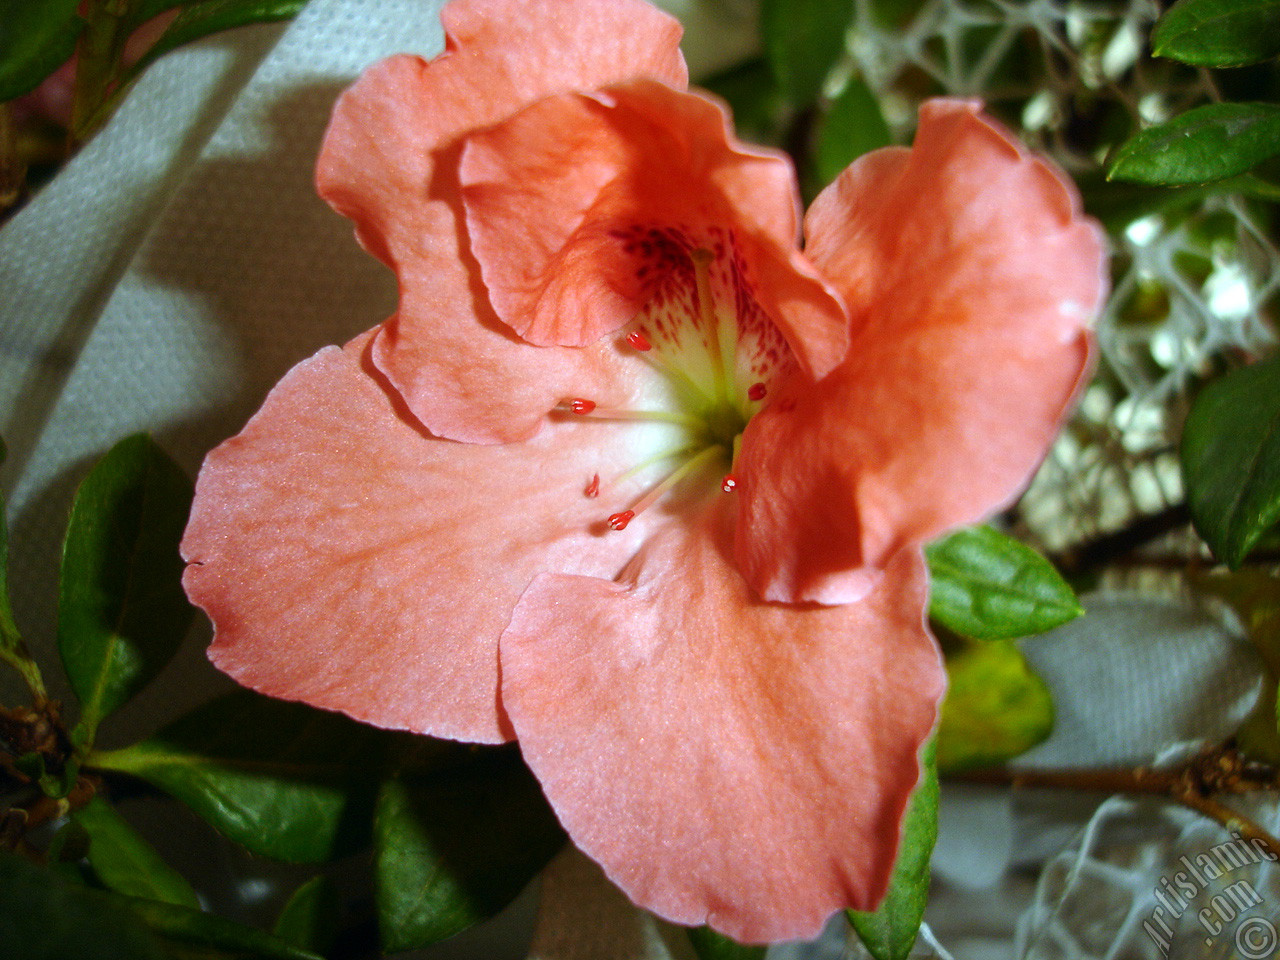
[[1194, 784], [1119, 543]]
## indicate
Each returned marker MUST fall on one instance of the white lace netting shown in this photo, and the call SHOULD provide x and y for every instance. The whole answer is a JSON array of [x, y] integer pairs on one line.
[[1195, 292]]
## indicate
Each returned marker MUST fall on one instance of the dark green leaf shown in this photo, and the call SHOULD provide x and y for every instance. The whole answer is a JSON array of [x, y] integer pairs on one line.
[[709, 945], [1208, 143], [890, 931], [752, 94], [803, 39], [121, 609], [9, 638], [205, 17], [280, 778], [126, 863], [310, 918], [996, 707], [1231, 459], [36, 37], [44, 917], [989, 586], [453, 849], [12, 650], [192, 935], [853, 126], [1219, 33]]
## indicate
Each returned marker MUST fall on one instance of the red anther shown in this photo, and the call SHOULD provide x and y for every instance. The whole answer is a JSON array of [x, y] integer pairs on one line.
[[593, 488], [756, 391], [619, 521], [581, 407], [639, 340], [729, 483]]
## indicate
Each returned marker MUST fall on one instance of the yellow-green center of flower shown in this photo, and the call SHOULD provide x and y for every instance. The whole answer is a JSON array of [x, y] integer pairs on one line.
[[717, 352]]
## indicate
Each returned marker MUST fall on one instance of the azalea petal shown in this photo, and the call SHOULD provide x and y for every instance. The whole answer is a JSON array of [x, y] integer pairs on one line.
[[552, 193], [970, 275], [388, 163], [727, 761], [349, 560]]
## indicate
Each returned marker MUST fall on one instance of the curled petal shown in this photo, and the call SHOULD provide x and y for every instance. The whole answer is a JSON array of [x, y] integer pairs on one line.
[[727, 761], [389, 163], [971, 277], [553, 194], [349, 560]]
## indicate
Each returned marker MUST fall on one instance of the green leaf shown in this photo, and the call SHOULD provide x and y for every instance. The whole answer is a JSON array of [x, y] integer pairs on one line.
[[205, 17], [890, 931], [1231, 459], [310, 918], [44, 917], [1208, 143], [280, 778], [1219, 33], [991, 587], [803, 39], [752, 94], [996, 707], [710, 945], [121, 609], [195, 935], [853, 126], [12, 649], [126, 863], [9, 637], [454, 849], [36, 38]]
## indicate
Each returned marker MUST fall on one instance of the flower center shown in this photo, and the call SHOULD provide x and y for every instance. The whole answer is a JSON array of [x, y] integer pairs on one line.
[[716, 352]]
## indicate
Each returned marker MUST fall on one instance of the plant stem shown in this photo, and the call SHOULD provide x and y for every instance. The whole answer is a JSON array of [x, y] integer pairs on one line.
[[1219, 769], [1119, 543]]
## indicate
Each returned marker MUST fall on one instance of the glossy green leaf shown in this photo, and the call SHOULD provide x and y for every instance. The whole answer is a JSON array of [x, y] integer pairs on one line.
[[890, 931], [121, 609], [36, 37], [311, 917], [990, 586], [192, 935], [1208, 143], [996, 707], [852, 126], [710, 945], [1219, 33], [43, 916], [280, 778], [452, 850], [1231, 459], [126, 863], [803, 39], [203, 18]]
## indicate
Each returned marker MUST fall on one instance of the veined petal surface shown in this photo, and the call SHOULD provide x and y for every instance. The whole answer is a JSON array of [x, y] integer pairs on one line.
[[350, 560], [726, 760], [553, 193], [970, 276], [389, 163]]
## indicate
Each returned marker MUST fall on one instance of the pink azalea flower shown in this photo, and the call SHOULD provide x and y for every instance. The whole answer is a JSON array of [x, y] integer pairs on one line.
[[631, 478]]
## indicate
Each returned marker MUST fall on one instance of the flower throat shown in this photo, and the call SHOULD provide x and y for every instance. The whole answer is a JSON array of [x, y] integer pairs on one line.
[[703, 331]]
